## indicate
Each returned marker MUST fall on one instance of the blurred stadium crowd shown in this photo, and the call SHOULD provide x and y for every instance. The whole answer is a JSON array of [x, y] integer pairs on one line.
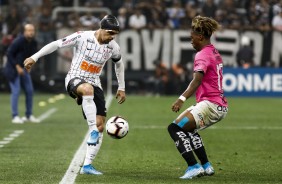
[[263, 15]]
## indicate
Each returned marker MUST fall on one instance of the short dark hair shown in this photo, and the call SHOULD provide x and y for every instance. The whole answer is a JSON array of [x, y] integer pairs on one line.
[[110, 22]]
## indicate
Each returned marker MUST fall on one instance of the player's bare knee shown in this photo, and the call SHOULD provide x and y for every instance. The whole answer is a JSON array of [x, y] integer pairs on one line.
[[85, 89]]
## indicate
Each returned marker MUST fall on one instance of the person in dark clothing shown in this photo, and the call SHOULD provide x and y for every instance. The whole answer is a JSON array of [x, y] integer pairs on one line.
[[245, 55], [22, 47]]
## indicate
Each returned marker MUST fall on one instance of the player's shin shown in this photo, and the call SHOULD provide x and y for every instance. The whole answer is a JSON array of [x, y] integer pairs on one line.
[[89, 109], [182, 143], [92, 151], [198, 147]]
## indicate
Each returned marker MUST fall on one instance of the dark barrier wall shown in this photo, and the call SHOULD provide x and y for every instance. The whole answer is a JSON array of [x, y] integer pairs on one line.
[[252, 82]]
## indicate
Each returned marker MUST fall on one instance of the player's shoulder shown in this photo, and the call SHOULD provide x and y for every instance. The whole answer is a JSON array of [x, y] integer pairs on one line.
[[113, 44]]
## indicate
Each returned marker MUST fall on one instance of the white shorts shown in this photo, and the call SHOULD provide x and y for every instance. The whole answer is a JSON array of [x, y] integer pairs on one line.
[[207, 113]]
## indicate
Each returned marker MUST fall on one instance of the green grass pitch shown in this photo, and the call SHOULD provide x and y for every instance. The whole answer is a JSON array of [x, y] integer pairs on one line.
[[243, 148]]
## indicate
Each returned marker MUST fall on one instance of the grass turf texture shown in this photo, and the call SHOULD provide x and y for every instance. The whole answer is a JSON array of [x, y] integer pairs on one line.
[[243, 148]]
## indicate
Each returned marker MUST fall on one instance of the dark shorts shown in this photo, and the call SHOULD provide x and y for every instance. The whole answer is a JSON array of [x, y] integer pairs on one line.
[[99, 98]]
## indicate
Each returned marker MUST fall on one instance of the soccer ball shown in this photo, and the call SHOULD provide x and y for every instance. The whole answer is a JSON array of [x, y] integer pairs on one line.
[[117, 127]]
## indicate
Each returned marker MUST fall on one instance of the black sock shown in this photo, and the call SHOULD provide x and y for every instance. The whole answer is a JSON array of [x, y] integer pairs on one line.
[[183, 143], [198, 147]]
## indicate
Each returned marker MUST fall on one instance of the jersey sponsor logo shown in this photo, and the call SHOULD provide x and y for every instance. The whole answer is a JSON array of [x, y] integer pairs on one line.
[[88, 67], [109, 47], [70, 40], [90, 41]]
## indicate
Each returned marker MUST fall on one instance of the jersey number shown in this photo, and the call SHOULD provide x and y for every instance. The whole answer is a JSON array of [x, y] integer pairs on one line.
[[90, 67], [219, 74]]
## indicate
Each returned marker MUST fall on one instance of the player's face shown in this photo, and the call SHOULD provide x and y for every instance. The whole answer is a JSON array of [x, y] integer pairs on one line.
[[195, 40], [108, 35]]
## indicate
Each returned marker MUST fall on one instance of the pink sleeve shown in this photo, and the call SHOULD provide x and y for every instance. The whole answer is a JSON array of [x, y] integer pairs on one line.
[[200, 65]]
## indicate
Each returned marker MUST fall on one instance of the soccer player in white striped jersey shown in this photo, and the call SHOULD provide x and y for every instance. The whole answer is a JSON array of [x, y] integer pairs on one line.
[[92, 49]]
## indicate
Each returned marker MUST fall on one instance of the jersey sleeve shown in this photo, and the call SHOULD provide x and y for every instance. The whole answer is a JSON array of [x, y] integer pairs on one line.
[[200, 63], [70, 40], [116, 56]]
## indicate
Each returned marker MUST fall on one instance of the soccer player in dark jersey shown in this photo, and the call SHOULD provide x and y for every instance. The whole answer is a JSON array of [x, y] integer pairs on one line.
[[92, 49]]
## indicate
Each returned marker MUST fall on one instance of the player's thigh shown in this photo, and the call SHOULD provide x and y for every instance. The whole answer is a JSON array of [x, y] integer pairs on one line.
[[72, 86], [207, 113], [186, 121]]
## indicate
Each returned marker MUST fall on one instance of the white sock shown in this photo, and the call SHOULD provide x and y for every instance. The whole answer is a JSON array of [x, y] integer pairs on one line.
[[89, 109], [92, 151]]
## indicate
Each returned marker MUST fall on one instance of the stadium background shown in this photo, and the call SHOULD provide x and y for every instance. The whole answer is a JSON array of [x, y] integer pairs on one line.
[[158, 43], [244, 148]]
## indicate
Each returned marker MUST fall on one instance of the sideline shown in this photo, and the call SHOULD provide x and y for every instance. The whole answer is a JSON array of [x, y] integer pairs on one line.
[[78, 158]]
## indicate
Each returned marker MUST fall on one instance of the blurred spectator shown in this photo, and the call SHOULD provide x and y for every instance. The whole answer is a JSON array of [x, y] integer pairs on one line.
[[277, 22], [10, 27], [46, 34], [45, 27], [245, 54], [230, 15], [122, 18], [60, 20], [209, 8], [161, 78], [180, 77], [175, 13], [263, 11], [138, 20], [190, 13], [73, 20], [89, 21]]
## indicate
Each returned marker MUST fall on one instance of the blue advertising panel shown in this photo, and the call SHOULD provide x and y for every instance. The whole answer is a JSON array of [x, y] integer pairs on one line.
[[265, 82]]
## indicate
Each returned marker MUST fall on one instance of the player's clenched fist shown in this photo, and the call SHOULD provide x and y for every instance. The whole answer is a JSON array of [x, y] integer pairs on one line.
[[28, 62]]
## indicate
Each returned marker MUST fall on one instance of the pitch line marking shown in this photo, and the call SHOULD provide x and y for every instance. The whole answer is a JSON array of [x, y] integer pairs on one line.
[[215, 127], [47, 114], [78, 158], [11, 137]]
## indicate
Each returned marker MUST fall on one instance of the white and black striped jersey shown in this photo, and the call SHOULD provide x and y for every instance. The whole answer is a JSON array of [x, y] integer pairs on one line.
[[89, 57]]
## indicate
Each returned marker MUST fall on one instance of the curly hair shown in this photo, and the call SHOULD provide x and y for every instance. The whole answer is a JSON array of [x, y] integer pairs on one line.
[[204, 25]]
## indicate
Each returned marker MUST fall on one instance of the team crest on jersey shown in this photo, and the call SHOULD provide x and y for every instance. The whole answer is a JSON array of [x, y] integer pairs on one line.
[[106, 55]]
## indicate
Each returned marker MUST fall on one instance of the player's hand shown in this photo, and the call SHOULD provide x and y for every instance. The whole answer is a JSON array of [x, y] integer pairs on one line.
[[28, 62], [120, 96], [176, 106]]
